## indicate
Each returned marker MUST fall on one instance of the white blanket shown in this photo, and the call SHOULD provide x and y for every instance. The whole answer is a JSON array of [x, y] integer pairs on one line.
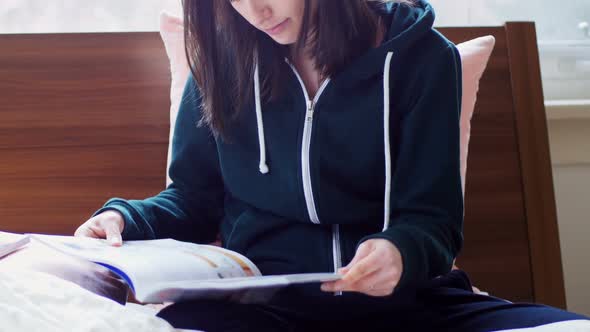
[[567, 326], [36, 301]]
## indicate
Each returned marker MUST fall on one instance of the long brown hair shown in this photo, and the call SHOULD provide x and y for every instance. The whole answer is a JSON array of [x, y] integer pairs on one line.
[[221, 45]]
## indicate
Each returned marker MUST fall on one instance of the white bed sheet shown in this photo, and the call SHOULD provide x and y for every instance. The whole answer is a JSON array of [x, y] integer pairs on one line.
[[566, 326], [36, 301]]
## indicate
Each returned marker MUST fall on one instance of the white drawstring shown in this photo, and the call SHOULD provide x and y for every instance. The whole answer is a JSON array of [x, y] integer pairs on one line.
[[386, 140], [263, 167]]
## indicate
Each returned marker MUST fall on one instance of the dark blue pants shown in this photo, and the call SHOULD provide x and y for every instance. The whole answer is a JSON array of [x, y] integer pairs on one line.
[[447, 303]]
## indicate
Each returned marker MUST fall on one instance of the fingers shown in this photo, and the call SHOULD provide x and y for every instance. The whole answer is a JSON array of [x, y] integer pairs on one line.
[[103, 226], [375, 270], [363, 250], [88, 229], [113, 234], [363, 267], [84, 231], [362, 253], [354, 273], [378, 283]]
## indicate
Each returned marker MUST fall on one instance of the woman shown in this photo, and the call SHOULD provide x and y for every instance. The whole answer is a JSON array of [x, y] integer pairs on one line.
[[321, 136]]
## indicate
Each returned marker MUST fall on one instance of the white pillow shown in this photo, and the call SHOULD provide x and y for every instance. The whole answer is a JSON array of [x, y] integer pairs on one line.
[[172, 33]]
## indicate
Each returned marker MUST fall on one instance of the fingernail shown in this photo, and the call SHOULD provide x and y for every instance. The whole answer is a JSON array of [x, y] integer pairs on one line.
[[325, 287]]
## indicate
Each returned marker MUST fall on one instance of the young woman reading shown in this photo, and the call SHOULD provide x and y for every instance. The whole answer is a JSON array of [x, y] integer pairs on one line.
[[317, 136]]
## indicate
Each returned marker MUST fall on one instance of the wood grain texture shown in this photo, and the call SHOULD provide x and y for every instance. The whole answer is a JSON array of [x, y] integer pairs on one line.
[[535, 161], [85, 118]]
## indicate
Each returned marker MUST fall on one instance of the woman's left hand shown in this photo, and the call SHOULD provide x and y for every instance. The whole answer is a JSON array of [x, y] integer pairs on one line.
[[375, 270]]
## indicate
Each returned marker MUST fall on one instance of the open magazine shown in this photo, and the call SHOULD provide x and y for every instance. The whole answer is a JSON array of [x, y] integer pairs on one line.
[[167, 270], [11, 242]]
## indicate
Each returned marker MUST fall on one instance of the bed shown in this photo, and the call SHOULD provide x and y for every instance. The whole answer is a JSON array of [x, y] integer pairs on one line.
[[85, 118]]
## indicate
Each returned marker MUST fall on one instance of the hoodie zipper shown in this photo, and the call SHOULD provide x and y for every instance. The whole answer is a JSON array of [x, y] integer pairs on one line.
[[306, 144], [306, 172]]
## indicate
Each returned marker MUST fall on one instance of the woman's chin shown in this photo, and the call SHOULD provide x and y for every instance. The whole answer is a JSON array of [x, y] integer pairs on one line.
[[284, 40]]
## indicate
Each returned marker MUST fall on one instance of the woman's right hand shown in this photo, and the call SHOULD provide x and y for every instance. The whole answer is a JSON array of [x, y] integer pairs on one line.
[[106, 225]]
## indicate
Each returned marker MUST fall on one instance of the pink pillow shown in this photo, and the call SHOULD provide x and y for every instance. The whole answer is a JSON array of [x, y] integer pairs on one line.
[[474, 53], [172, 33]]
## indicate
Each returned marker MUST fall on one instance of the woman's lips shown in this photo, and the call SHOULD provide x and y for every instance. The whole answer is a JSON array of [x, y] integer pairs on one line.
[[277, 29]]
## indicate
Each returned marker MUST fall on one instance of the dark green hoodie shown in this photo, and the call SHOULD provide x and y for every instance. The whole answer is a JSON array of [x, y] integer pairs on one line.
[[303, 182]]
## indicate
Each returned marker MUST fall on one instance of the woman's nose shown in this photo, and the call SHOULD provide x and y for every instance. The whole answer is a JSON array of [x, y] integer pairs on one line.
[[260, 11]]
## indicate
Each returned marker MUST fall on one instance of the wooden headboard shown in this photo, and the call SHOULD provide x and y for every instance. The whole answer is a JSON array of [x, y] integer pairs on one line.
[[84, 117]]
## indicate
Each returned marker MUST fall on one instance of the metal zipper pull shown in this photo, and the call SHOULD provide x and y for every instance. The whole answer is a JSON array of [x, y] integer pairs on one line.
[[310, 111]]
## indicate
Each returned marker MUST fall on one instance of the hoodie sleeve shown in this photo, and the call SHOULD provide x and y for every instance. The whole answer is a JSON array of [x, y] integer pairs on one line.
[[426, 199], [191, 207]]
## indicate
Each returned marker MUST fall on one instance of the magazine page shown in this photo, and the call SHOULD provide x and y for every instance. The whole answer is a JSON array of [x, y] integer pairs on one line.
[[243, 289], [10, 242], [144, 263]]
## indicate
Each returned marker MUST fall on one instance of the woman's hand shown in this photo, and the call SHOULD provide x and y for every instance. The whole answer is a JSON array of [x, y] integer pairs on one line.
[[375, 270], [107, 225]]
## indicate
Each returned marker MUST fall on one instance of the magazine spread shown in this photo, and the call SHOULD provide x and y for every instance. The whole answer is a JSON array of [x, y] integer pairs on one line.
[[10, 242], [167, 270]]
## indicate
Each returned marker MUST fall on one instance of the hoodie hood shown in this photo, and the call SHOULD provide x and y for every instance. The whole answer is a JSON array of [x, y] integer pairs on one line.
[[407, 25]]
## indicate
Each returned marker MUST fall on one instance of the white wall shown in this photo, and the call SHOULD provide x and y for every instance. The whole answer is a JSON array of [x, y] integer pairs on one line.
[[570, 153]]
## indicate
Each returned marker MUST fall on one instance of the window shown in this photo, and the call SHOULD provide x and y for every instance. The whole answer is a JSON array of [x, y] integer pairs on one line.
[[555, 20], [41, 16]]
